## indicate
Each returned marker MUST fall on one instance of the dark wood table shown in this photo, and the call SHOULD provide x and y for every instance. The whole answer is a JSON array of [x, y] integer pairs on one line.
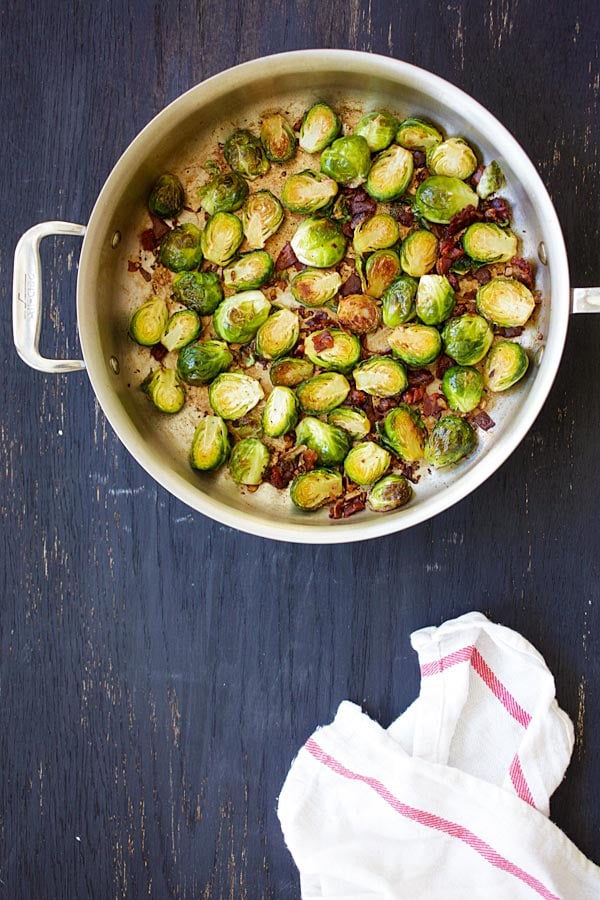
[[159, 671]]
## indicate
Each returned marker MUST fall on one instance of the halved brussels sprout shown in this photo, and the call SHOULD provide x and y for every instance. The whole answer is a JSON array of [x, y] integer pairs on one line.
[[415, 345], [290, 371], [376, 233], [389, 493], [453, 157], [308, 191], [322, 393], [378, 129], [405, 433], [332, 349], [398, 301], [200, 291], [249, 271], [435, 299], [486, 242], [467, 339], [452, 438], [225, 192], [181, 248], [354, 421], [491, 180], [320, 126], [238, 318], [234, 394], [505, 301], [280, 412], [149, 321], [390, 174], [165, 390], [200, 363], [221, 238], [414, 134], [319, 242], [314, 287], [380, 376], [329, 442], [418, 253], [347, 160], [278, 334], [245, 155], [506, 364], [366, 463], [462, 387], [315, 489], [381, 269], [182, 328], [440, 197], [262, 215], [248, 461], [166, 197], [358, 313], [210, 444], [277, 138]]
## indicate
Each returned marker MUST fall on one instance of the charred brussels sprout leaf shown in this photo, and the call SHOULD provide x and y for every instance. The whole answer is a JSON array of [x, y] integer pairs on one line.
[[435, 299], [358, 313], [366, 463], [182, 328], [467, 339], [488, 243], [238, 318], [506, 364], [165, 390], [418, 253], [376, 233], [333, 349], [291, 371], [277, 138], [462, 387], [330, 443], [314, 287], [440, 197], [416, 345], [319, 243], [389, 493], [245, 155], [415, 134], [381, 269], [248, 461], [166, 197], [451, 439], [308, 191], [320, 126], [453, 157], [210, 444], [233, 394], [149, 321], [262, 215], [347, 160], [223, 193], [250, 271], [280, 412], [278, 334], [322, 393], [390, 174], [354, 421], [181, 248], [200, 363], [378, 129], [491, 180], [221, 238], [315, 489], [380, 376], [405, 433], [200, 291], [505, 301], [398, 301]]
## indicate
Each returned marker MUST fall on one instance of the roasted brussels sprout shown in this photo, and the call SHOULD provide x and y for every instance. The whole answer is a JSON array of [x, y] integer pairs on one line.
[[354, 421], [405, 433], [165, 390], [221, 238], [329, 442], [234, 394], [366, 463], [452, 438], [278, 334], [488, 243], [210, 444], [322, 393], [358, 313], [491, 180], [389, 493], [378, 129], [376, 233], [248, 461], [314, 287], [225, 192], [238, 318], [505, 301], [245, 155], [462, 387], [320, 126], [453, 157], [182, 328], [319, 242], [390, 174], [414, 134], [416, 345], [435, 299], [149, 321], [166, 197], [380, 376], [398, 301], [506, 364], [181, 248], [277, 138], [315, 489], [467, 339], [280, 412], [347, 160], [380, 270], [333, 349], [440, 197], [249, 271], [201, 362], [308, 191], [200, 291], [290, 371], [418, 253], [262, 215]]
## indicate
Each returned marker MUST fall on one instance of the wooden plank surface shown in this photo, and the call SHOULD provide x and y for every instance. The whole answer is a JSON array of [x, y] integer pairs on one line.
[[159, 671]]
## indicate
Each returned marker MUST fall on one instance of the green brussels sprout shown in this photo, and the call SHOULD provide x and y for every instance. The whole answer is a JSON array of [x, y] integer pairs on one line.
[[347, 160], [319, 243], [506, 364], [308, 191], [488, 243], [378, 129], [201, 362], [354, 421], [414, 134], [322, 393], [462, 387], [415, 345], [165, 390], [181, 248], [182, 328], [200, 291], [249, 271], [248, 461], [330, 443], [166, 197], [320, 126], [245, 155], [389, 493], [277, 138], [380, 376], [453, 158], [390, 174], [333, 349], [290, 371], [418, 253], [381, 269], [280, 412], [452, 438], [210, 444], [505, 301], [314, 287], [375, 233], [234, 394], [262, 215], [440, 197], [225, 192], [358, 313], [316, 488], [238, 318], [398, 301], [278, 334], [467, 339], [405, 433], [149, 321], [366, 463], [492, 179], [435, 299], [221, 238]]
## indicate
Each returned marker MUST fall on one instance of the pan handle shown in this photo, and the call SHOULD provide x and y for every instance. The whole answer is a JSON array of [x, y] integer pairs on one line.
[[27, 298], [585, 300]]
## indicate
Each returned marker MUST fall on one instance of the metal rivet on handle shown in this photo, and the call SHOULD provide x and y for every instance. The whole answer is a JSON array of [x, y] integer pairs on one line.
[[116, 239], [542, 256], [114, 364]]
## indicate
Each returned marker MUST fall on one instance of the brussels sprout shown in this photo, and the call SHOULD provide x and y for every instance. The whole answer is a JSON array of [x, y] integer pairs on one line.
[[491, 180], [277, 138], [462, 387], [452, 438], [320, 126], [322, 393], [467, 339], [488, 243], [278, 334], [506, 364], [329, 442], [290, 371], [249, 271], [390, 174], [418, 253], [245, 155], [200, 291], [210, 444], [404, 432], [414, 134], [262, 215], [248, 461], [440, 197], [181, 248], [415, 345], [166, 197], [453, 157], [319, 242], [435, 299], [200, 363], [378, 129], [358, 313], [398, 301], [314, 287], [238, 318], [347, 160], [165, 390], [221, 238], [225, 192], [280, 412], [233, 394], [505, 301], [380, 376], [381, 269], [332, 349], [376, 233], [315, 489], [149, 321], [389, 493], [308, 191], [182, 328], [366, 463], [354, 421]]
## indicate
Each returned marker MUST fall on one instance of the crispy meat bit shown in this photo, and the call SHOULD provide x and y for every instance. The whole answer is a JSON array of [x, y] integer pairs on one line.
[[483, 421], [286, 258], [323, 341]]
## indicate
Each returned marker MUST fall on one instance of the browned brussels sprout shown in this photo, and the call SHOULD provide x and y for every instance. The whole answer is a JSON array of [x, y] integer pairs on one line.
[[166, 197], [358, 313], [225, 192], [452, 439], [389, 493], [245, 155], [181, 248], [277, 138]]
